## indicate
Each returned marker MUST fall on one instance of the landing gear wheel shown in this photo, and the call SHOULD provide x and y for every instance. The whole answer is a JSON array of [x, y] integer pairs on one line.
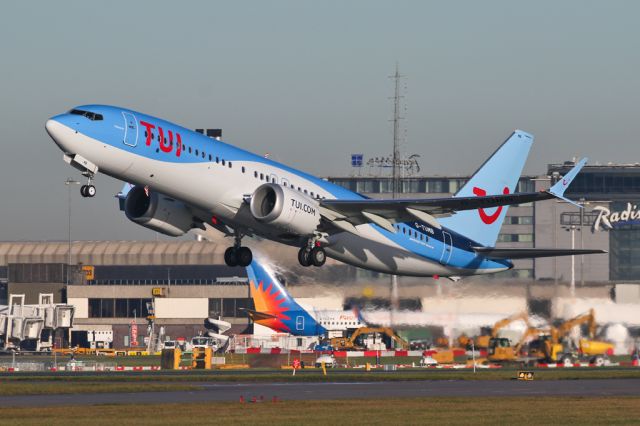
[[303, 257], [244, 256], [83, 190], [231, 256], [317, 256], [90, 191]]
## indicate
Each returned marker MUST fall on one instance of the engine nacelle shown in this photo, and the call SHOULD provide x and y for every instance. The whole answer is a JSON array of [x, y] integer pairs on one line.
[[285, 209], [158, 212]]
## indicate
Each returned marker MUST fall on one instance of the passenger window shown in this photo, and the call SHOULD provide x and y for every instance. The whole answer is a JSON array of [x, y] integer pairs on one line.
[[230, 164], [196, 152], [203, 155], [261, 176], [189, 150], [217, 160], [242, 169], [223, 161], [255, 174], [209, 157]]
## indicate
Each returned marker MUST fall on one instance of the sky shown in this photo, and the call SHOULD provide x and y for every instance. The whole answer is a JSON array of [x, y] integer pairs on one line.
[[308, 82]]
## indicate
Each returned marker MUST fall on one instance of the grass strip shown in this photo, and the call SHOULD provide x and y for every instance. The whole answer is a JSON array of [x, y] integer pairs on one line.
[[53, 388], [410, 411]]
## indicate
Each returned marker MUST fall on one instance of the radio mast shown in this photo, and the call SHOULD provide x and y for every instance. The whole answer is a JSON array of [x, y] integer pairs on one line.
[[395, 181], [396, 134]]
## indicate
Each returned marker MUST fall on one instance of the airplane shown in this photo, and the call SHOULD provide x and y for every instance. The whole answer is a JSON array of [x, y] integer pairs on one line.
[[183, 180], [277, 310]]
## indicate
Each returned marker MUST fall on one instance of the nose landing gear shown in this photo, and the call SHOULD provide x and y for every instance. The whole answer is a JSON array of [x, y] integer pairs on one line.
[[88, 190]]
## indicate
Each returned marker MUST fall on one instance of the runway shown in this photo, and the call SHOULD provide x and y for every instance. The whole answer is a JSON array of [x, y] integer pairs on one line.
[[321, 391]]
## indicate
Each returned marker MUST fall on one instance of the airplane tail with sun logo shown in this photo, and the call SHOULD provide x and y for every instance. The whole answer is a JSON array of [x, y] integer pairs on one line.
[[273, 305], [498, 175]]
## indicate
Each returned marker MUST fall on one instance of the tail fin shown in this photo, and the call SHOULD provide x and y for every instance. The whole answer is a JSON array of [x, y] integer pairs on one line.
[[498, 175], [271, 299]]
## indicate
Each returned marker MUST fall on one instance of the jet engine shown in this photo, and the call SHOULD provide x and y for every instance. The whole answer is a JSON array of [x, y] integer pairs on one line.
[[285, 209], [158, 212]]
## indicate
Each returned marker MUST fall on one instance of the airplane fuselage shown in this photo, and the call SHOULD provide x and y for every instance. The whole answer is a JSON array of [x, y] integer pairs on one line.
[[216, 178]]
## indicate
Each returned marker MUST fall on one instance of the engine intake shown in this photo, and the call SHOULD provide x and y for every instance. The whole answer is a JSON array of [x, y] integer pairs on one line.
[[158, 212], [286, 209]]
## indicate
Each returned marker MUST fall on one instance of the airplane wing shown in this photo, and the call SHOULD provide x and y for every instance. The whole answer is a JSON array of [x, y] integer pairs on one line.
[[345, 214], [527, 253]]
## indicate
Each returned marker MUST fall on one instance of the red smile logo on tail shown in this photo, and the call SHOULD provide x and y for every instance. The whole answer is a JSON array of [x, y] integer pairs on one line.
[[488, 218]]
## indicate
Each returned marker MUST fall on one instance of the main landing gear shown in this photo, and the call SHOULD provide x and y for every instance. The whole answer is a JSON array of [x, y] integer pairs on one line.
[[238, 255], [315, 256]]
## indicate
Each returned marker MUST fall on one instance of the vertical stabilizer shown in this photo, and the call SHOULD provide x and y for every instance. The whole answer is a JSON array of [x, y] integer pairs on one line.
[[274, 306], [498, 175]]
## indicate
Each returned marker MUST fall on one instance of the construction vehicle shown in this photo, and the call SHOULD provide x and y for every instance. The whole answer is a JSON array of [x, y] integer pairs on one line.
[[351, 342], [483, 341], [501, 350], [558, 346]]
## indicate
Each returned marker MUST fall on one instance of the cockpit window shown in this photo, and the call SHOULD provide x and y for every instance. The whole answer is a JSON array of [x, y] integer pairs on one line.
[[90, 115]]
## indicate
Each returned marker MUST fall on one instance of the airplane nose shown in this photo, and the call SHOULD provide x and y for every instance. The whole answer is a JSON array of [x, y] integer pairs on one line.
[[55, 129], [50, 126]]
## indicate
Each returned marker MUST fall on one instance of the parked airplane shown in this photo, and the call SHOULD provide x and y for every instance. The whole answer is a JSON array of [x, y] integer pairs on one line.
[[184, 180], [277, 310]]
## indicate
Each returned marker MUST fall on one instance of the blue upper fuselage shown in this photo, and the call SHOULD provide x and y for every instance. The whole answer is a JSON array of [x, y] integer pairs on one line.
[[163, 141]]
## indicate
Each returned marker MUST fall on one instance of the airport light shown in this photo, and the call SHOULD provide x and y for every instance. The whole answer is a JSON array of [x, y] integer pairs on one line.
[[69, 182]]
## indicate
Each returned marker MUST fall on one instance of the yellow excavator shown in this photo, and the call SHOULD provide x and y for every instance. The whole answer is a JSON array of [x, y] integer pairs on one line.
[[350, 343], [484, 341], [501, 350], [557, 345]]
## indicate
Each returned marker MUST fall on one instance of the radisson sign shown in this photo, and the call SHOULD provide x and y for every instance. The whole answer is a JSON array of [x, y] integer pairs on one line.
[[607, 219]]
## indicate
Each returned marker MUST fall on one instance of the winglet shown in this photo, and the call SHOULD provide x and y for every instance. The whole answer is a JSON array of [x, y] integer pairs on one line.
[[558, 189]]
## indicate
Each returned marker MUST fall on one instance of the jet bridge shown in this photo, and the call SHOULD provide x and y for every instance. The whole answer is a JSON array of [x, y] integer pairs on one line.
[[32, 325]]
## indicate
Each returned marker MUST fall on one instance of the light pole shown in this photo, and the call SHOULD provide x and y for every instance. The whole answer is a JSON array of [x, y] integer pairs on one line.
[[69, 182]]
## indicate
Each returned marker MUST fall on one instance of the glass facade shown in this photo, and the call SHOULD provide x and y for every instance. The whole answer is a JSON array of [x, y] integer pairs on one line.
[[118, 308], [624, 248], [417, 185], [229, 307]]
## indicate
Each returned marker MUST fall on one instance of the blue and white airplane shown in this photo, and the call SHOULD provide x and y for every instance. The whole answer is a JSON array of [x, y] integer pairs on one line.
[[183, 180], [277, 310]]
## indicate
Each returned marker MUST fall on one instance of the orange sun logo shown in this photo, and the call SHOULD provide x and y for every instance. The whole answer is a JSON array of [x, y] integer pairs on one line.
[[270, 303]]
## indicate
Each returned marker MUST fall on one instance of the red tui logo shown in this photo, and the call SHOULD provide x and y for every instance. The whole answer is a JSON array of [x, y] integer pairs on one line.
[[488, 218]]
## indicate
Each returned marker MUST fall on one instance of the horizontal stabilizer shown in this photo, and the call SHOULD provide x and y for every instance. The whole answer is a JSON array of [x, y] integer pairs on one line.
[[257, 316], [527, 253]]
